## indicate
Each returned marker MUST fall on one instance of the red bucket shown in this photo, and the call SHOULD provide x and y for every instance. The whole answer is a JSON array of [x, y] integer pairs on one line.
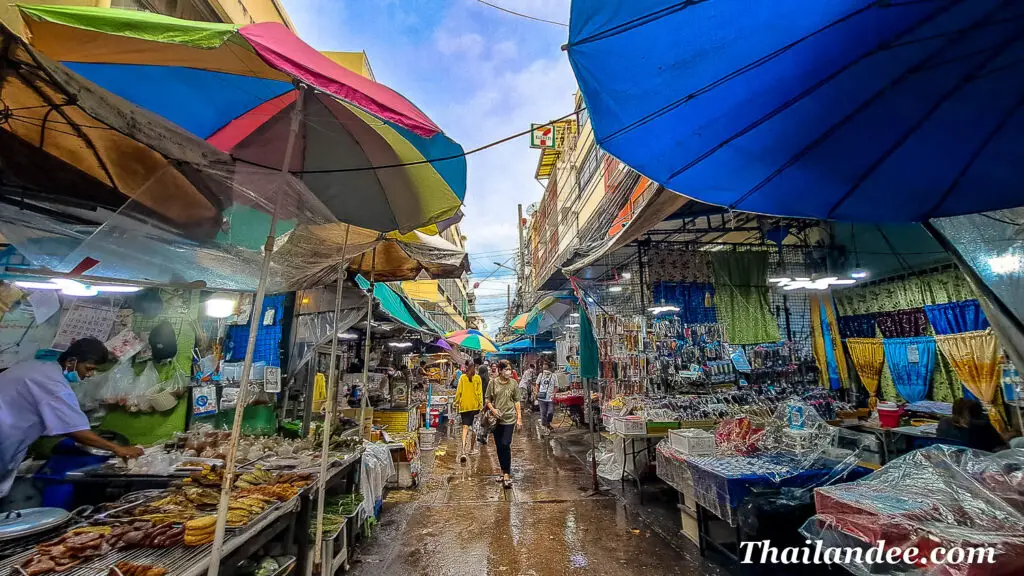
[[435, 418], [890, 418]]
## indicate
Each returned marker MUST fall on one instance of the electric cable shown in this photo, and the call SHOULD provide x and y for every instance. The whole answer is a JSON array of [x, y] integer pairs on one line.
[[521, 15]]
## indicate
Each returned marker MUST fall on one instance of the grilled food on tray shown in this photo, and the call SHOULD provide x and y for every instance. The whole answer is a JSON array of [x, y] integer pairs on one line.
[[255, 478], [202, 496], [277, 492], [208, 476], [133, 569], [65, 552], [200, 531]]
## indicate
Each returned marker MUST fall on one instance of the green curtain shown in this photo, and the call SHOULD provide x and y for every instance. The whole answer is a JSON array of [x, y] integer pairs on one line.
[[741, 297], [589, 361], [912, 292]]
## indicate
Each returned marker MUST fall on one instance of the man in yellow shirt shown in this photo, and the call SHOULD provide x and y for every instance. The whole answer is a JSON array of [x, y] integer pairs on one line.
[[469, 399]]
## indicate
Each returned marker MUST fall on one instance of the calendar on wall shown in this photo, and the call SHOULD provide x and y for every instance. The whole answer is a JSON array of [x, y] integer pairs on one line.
[[84, 321]]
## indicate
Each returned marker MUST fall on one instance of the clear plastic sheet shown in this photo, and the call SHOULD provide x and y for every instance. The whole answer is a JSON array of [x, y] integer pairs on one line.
[[613, 460], [315, 330], [134, 244], [937, 496], [377, 468], [793, 448]]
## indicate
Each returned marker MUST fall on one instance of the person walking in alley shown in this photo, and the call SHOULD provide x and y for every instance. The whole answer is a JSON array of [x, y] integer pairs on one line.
[[469, 399], [526, 384], [484, 372], [546, 395], [503, 400]]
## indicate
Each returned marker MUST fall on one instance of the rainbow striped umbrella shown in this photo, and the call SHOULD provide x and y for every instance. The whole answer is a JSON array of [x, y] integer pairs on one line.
[[472, 339], [237, 88]]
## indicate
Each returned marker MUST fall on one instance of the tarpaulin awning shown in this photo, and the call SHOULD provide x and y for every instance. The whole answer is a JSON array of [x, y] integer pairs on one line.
[[527, 345], [392, 303], [851, 109]]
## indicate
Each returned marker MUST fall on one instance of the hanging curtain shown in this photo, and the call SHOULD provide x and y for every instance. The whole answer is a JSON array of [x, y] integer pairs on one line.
[[828, 347], [903, 323], [956, 317], [868, 356], [913, 292], [741, 297], [911, 361], [975, 357], [679, 265], [857, 326], [695, 300]]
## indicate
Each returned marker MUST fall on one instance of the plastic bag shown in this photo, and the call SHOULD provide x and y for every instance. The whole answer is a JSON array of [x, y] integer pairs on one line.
[[116, 386], [144, 385]]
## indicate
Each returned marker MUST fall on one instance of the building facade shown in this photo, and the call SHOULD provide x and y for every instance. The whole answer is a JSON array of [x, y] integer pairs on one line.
[[449, 303], [588, 196]]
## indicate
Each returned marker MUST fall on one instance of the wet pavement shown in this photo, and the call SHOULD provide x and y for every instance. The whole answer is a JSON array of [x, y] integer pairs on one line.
[[459, 520]]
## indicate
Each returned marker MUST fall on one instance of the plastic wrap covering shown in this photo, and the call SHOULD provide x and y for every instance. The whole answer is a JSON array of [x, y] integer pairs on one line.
[[317, 329], [613, 459], [794, 448], [672, 468], [377, 468], [135, 244], [940, 496]]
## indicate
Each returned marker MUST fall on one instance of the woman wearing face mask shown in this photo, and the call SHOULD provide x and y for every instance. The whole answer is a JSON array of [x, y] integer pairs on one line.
[[36, 400], [503, 400], [546, 396]]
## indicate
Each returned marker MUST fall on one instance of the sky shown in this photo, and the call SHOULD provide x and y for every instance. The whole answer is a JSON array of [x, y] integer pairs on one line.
[[481, 74]]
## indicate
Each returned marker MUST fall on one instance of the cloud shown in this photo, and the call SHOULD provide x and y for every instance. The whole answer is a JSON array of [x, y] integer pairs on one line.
[[469, 44]]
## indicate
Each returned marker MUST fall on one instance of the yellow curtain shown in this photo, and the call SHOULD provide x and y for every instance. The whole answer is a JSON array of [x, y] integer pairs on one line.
[[819, 302], [868, 356], [975, 358]]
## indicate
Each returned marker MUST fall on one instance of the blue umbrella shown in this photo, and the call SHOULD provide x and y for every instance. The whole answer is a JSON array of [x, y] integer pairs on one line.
[[859, 110]]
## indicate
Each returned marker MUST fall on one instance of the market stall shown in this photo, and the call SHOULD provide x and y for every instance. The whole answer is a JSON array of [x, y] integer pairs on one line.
[[926, 499], [732, 481]]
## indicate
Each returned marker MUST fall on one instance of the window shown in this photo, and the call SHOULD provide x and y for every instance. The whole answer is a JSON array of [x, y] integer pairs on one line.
[[589, 166], [583, 118]]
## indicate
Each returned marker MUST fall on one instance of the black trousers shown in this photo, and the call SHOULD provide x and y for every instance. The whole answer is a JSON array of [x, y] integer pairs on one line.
[[503, 440]]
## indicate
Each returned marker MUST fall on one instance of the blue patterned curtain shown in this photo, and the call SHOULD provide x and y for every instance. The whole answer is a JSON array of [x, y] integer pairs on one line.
[[911, 362], [694, 300], [857, 326], [956, 317]]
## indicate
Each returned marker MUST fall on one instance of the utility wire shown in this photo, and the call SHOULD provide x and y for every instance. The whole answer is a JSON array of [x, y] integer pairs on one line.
[[521, 15], [419, 162]]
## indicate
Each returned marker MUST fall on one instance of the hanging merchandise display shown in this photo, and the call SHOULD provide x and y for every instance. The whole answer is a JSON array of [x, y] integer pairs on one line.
[[956, 317], [741, 297], [858, 326], [695, 301], [975, 357], [868, 355], [902, 323], [911, 361], [828, 348]]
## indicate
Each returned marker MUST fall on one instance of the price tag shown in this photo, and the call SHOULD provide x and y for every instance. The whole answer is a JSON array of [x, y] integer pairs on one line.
[[272, 379], [913, 354], [204, 400]]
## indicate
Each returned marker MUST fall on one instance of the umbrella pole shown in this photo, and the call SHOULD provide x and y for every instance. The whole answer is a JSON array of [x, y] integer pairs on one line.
[[254, 325], [366, 346], [332, 406]]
